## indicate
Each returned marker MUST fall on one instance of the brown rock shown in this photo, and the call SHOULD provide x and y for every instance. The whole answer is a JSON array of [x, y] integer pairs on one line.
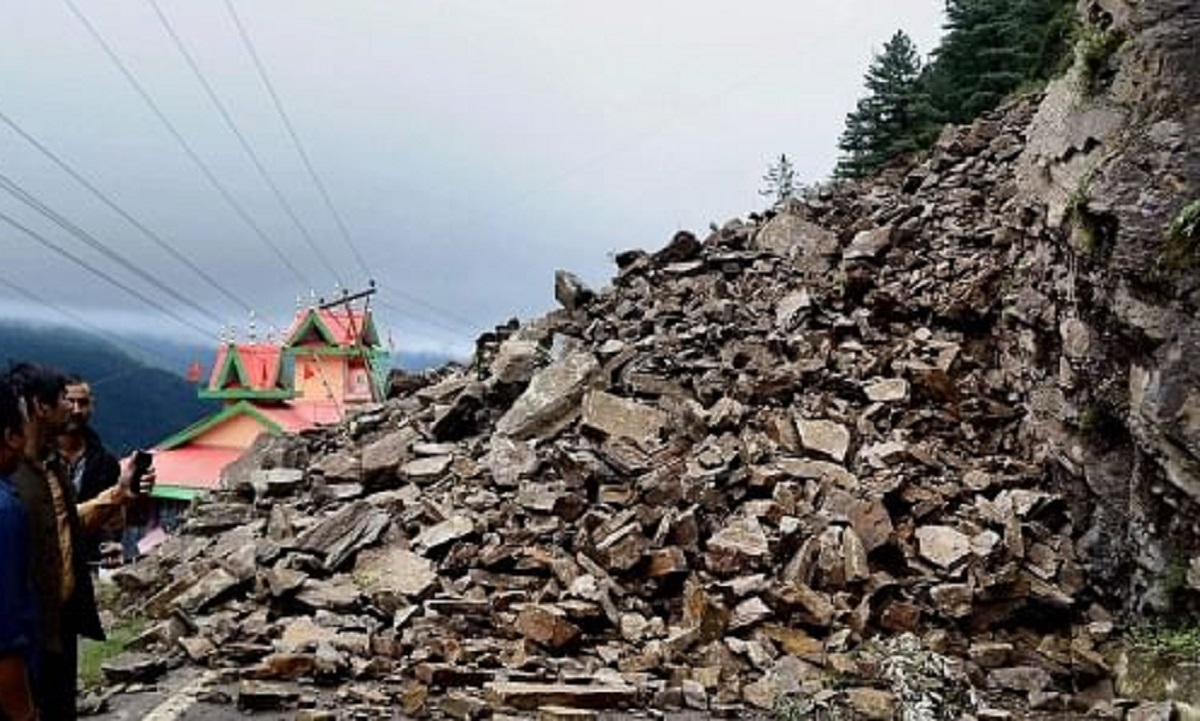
[[748, 613], [458, 705], [133, 668], [872, 523], [872, 704], [303, 634], [257, 696], [990, 654], [208, 589], [444, 533], [285, 666], [666, 562], [624, 548], [887, 390], [824, 437], [900, 616], [392, 575], [385, 455], [741, 544], [546, 625], [953, 599], [336, 594], [793, 641], [565, 713], [339, 536], [551, 400], [943, 545], [516, 361], [424, 470], [530, 696], [622, 418]]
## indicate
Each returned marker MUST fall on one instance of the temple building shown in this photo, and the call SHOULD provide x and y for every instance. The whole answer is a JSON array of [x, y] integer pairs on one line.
[[330, 361]]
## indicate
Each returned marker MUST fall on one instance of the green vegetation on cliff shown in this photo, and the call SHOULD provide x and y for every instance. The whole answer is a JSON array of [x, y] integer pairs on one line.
[[991, 49]]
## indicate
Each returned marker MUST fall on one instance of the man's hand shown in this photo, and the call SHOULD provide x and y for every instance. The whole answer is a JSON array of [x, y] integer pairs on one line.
[[125, 482]]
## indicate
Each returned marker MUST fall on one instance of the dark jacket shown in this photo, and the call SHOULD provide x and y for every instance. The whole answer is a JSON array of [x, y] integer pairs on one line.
[[101, 469]]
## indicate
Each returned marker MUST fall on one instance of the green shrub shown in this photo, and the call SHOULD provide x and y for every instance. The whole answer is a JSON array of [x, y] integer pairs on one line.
[[1181, 249], [1093, 51], [1178, 641]]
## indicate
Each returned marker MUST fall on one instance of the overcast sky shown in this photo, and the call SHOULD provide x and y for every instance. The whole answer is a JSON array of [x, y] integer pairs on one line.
[[471, 148]]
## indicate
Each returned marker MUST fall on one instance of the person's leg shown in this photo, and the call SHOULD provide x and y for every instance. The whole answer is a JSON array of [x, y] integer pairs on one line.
[[56, 686]]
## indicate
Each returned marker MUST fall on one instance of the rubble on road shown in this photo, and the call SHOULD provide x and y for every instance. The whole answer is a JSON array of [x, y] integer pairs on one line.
[[783, 461]]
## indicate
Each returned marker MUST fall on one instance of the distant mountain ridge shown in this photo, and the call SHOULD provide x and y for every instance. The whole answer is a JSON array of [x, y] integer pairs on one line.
[[137, 404], [141, 398]]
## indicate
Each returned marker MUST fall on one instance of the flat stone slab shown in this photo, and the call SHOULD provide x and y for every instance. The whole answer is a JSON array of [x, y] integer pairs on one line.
[[133, 668], [531, 696]]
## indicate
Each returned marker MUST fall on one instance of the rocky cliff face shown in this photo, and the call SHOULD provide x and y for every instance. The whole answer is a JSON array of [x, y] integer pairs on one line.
[[1113, 358]]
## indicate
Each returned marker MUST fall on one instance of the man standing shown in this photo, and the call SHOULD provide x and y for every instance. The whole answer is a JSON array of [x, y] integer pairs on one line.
[[92, 468], [18, 622], [59, 530]]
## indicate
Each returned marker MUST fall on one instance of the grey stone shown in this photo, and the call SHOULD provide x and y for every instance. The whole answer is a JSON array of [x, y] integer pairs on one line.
[[622, 418], [552, 399], [825, 437]]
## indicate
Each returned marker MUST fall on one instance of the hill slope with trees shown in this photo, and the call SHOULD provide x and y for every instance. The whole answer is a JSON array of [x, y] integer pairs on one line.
[[991, 49], [136, 404]]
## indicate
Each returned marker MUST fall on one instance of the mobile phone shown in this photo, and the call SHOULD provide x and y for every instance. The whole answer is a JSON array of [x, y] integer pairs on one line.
[[141, 463]]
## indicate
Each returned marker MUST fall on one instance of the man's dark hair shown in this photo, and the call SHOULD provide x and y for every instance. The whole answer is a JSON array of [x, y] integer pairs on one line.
[[34, 382], [11, 415]]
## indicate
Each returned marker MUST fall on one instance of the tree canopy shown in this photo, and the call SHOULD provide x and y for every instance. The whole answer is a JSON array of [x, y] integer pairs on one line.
[[991, 48], [883, 124]]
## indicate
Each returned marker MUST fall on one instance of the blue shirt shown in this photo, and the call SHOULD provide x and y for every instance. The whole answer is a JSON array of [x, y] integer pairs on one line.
[[18, 619]]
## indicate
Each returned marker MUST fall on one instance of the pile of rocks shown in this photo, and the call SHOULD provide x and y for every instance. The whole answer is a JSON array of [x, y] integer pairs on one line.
[[782, 465]]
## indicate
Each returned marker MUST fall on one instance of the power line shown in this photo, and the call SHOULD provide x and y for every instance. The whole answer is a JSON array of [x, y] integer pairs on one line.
[[262, 73], [308, 165], [187, 148], [102, 197], [254, 159], [453, 318], [105, 276], [80, 320], [455, 330], [15, 190]]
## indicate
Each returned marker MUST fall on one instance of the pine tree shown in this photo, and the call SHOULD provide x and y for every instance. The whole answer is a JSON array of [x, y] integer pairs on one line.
[[993, 47], [892, 119]]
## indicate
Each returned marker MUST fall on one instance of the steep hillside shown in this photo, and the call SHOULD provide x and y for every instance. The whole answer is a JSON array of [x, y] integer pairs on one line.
[[137, 405]]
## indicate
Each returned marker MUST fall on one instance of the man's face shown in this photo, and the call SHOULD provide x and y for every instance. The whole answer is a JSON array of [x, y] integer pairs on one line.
[[55, 415], [79, 398]]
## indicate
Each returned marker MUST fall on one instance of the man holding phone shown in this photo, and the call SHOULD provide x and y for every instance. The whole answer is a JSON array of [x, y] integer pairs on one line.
[[91, 468]]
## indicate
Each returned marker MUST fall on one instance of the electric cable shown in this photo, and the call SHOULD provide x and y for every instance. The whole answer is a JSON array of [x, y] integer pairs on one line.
[[14, 189], [187, 148], [103, 198], [105, 276], [455, 331], [245, 144], [291, 130]]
